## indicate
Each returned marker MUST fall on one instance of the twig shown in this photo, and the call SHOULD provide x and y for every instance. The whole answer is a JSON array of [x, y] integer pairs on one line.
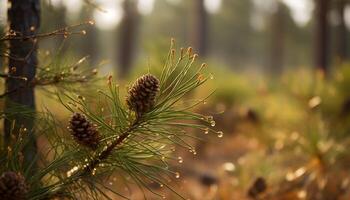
[[94, 5], [40, 82], [100, 157], [11, 91], [13, 77], [63, 31], [7, 55], [114, 145]]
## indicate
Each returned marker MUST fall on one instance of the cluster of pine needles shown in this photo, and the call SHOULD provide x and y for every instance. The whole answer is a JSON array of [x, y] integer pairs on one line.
[[128, 140]]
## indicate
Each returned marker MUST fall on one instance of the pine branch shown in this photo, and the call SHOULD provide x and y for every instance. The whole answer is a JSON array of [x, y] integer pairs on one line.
[[65, 32], [135, 137], [112, 147], [67, 75]]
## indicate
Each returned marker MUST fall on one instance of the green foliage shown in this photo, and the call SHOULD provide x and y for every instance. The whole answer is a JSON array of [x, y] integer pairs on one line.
[[134, 149]]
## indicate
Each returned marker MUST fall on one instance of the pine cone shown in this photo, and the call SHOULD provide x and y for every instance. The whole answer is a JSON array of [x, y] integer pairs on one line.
[[12, 186], [83, 131], [142, 94], [259, 186]]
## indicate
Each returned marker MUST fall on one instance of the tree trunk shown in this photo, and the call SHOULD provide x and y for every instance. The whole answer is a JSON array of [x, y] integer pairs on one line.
[[341, 32], [128, 33], [200, 28], [322, 37], [23, 19], [277, 40]]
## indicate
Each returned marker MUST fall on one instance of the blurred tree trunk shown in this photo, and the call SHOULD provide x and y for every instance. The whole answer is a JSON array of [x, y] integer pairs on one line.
[[322, 36], [199, 34], [1, 49], [24, 19], [341, 31], [277, 40], [127, 36]]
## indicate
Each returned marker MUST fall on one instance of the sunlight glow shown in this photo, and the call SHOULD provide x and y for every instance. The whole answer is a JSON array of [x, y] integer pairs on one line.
[[73, 7], [347, 17], [3, 12], [212, 6], [301, 10], [110, 19], [145, 7]]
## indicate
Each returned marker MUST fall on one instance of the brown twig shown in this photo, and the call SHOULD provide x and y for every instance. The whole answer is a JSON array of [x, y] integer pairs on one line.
[[113, 146], [40, 82], [7, 55], [88, 169], [59, 32]]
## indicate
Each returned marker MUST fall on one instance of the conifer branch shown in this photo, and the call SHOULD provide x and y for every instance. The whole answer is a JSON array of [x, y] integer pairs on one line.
[[66, 31], [135, 137]]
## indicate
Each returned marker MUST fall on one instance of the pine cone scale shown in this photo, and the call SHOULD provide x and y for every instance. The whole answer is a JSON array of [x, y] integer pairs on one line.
[[141, 96], [83, 131], [13, 186]]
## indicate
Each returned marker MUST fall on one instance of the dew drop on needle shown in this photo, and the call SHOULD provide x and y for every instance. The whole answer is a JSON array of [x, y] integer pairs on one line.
[[220, 134]]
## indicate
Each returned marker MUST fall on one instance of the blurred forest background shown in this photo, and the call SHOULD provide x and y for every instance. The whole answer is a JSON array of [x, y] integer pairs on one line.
[[280, 74], [266, 36]]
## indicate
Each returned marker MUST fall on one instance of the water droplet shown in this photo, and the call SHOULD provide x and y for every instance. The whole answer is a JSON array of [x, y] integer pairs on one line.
[[94, 172], [73, 170], [180, 160], [220, 134], [206, 131], [177, 175], [194, 152], [211, 76], [161, 185], [210, 118], [229, 167], [212, 123]]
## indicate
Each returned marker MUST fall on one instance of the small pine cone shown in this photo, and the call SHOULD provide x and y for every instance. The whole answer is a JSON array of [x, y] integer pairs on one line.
[[83, 131], [142, 94], [13, 186], [259, 186]]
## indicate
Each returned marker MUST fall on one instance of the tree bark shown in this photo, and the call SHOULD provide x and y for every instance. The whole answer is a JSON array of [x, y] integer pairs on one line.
[[23, 19], [128, 34], [200, 28], [322, 36]]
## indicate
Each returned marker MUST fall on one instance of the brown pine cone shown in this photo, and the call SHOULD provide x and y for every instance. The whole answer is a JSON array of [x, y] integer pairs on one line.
[[84, 131], [13, 186], [141, 96]]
